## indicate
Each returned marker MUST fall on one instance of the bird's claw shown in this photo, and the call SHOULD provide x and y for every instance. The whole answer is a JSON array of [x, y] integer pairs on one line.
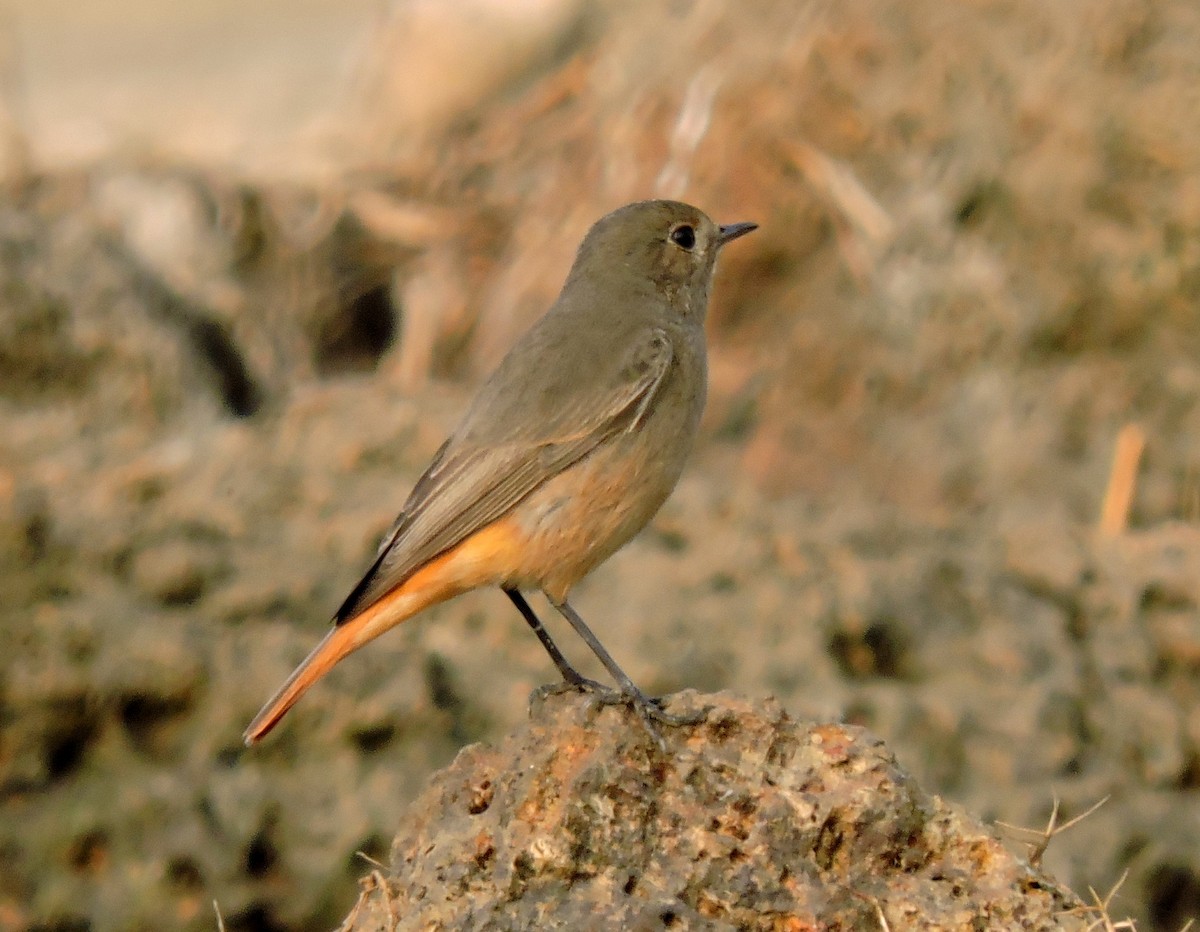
[[581, 685], [650, 709]]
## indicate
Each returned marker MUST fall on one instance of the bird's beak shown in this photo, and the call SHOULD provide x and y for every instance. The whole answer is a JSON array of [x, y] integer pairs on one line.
[[732, 231]]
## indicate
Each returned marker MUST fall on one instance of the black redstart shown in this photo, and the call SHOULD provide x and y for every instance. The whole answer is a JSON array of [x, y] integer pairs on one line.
[[566, 452]]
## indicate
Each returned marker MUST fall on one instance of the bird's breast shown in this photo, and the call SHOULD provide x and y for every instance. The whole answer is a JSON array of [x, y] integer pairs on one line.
[[580, 517]]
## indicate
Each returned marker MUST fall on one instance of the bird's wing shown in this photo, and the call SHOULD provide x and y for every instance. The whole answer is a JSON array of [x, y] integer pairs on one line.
[[472, 481]]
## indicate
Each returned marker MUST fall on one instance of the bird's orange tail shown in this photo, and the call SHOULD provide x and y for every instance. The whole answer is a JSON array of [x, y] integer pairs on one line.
[[481, 558], [333, 647], [397, 606]]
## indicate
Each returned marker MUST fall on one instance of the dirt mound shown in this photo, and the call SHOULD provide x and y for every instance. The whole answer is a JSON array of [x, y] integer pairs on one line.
[[748, 821]]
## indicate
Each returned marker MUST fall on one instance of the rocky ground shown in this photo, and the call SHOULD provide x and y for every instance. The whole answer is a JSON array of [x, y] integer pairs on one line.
[[979, 260], [747, 821]]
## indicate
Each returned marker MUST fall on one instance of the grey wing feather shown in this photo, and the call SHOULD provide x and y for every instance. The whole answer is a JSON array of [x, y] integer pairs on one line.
[[468, 486]]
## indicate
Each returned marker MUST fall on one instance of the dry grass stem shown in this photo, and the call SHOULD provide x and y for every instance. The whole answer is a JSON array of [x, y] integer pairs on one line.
[[1037, 851], [368, 885], [1122, 480], [1102, 908], [695, 115]]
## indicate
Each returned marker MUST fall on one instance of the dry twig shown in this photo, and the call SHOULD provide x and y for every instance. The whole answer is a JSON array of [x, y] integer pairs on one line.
[[1101, 908], [1052, 829], [1122, 479], [369, 884]]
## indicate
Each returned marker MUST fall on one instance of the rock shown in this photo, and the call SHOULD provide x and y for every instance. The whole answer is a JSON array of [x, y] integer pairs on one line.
[[750, 820]]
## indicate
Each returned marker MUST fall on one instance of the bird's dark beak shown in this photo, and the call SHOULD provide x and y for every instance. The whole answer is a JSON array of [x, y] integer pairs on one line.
[[733, 231]]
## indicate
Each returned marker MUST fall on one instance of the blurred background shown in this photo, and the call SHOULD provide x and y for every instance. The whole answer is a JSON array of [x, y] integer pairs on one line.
[[253, 260]]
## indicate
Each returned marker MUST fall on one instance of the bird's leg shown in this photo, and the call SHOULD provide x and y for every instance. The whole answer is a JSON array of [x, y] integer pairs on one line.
[[649, 708], [573, 679]]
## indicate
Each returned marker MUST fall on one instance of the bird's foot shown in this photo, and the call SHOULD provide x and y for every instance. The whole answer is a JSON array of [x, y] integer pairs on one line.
[[650, 709], [582, 684]]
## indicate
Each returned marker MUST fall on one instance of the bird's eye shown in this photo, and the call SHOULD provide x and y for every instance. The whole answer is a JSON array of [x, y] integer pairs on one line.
[[684, 236]]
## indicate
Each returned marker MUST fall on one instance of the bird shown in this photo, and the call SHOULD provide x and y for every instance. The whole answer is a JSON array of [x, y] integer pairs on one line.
[[567, 451]]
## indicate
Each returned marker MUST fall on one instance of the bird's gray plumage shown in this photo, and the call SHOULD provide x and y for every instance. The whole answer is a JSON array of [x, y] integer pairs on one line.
[[521, 431]]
